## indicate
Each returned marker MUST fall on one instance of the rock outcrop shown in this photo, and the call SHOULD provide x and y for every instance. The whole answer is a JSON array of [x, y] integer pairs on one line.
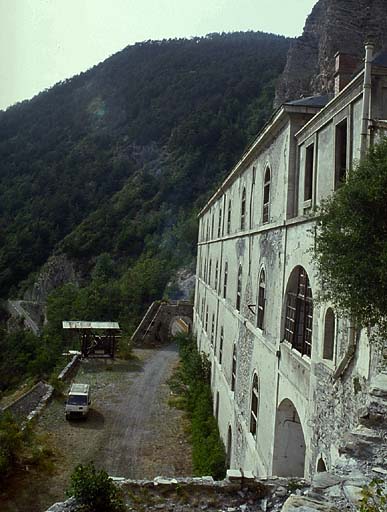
[[332, 26]]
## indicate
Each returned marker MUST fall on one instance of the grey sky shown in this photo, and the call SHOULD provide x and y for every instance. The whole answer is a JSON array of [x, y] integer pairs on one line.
[[44, 41]]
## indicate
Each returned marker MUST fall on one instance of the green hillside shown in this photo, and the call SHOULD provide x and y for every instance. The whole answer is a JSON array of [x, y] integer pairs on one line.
[[112, 166]]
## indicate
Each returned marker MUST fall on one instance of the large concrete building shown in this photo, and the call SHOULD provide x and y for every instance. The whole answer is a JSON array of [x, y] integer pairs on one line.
[[289, 375]]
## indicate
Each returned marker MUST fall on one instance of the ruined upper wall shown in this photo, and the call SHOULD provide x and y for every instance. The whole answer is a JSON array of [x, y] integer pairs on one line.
[[332, 26]]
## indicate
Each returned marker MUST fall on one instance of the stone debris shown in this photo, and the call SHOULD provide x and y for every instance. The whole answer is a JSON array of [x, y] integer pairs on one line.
[[326, 493]]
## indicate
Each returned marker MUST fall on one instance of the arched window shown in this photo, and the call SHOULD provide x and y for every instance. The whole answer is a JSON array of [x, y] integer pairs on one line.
[[266, 196], [221, 345], [220, 222], [225, 280], [216, 275], [233, 368], [239, 289], [254, 405], [243, 209], [229, 217], [329, 334], [261, 299], [209, 272], [299, 311]]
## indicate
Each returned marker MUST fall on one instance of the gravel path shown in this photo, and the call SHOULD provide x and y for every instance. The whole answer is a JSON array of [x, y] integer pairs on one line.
[[131, 431], [27, 403]]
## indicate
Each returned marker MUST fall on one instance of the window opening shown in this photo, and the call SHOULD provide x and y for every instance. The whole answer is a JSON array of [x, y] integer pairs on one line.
[[212, 225], [217, 406], [225, 280], [299, 314], [308, 181], [220, 222], [239, 289], [243, 209], [329, 334], [216, 275], [206, 324], [254, 406], [266, 196], [233, 369], [261, 299], [229, 217], [212, 329], [341, 153], [209, 272], [221, 345]]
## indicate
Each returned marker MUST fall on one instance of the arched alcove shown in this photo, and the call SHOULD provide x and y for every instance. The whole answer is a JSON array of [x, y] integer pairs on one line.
[[321, 467], [289, 443]]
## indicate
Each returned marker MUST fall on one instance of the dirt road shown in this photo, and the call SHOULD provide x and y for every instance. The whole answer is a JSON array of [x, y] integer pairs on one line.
[[131, 431]]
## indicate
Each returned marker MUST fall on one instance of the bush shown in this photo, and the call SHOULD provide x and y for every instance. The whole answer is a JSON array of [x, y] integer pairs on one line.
[[94, 491], [374, 497]]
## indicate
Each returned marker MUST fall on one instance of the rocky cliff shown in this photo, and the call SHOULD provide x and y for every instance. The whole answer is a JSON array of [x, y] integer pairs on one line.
[[332, 26]]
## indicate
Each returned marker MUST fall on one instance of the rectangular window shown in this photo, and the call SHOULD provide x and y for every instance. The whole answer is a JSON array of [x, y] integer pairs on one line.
[[308, 181], [341, 163]]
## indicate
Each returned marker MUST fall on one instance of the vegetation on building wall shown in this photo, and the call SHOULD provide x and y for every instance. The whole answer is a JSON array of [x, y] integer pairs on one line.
[[191, 385], [351, 241]]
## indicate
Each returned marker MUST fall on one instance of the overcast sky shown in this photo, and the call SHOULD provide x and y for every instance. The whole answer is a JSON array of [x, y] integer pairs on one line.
[[44, 41]]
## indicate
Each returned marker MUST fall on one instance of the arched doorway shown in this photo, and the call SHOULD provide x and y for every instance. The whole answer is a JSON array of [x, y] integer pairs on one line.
[[289, 444]]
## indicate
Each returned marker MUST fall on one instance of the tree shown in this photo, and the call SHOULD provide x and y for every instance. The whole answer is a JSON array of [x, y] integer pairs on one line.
[[351, 241]]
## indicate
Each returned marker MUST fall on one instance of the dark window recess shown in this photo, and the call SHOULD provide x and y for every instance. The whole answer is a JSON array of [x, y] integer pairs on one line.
[[225, 280], [229, 218], [212, 226], [221, 345], [220, 223], [239, 289], [266, 196], [233, 369], [261, 300], [209, 272], [212, 329], [309, 164], [217, 406], [206, 324], [329, 334], [341, 153], [216, 275], [299, 314], [243, 210], [254, 406]]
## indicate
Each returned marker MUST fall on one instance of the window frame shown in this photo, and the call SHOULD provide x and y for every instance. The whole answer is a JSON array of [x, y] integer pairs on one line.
[[238, 303], [243, 210]]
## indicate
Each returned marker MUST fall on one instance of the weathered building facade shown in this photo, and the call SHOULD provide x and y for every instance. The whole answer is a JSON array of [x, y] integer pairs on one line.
[[289, 376]]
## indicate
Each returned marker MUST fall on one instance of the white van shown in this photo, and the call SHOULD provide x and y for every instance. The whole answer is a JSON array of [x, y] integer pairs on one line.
[[78, 401]]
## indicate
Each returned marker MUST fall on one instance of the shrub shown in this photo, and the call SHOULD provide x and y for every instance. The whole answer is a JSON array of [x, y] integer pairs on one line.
[[374, 497], [94, 491]]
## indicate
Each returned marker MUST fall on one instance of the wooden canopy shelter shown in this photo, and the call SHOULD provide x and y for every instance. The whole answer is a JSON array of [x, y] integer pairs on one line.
[[97, 338]]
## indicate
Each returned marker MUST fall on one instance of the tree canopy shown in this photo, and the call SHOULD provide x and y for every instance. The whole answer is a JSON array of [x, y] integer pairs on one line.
[[351, 241]]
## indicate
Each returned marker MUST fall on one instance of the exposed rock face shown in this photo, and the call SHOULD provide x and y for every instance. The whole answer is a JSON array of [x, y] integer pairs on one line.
[[58, 271], [332, 26]]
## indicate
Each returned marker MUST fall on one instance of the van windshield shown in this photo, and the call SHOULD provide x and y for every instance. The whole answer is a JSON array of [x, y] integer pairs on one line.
[[77, 400]]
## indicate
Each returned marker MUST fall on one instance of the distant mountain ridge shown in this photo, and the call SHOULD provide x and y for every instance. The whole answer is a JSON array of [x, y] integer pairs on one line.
[[116, 158]]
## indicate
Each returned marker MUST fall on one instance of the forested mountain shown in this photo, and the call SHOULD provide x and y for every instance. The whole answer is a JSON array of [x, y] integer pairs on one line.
[[112, 165]]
